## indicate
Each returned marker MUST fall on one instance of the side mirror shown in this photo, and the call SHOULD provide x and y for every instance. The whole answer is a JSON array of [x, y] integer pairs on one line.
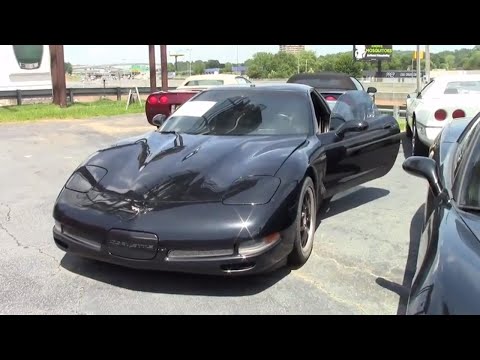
[[372, 90], [412, 95], [426, 168], [351, 126], [159, 120]]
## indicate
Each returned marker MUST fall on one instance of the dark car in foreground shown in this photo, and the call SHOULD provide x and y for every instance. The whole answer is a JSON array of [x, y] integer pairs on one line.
[[448, 264], [230, 183], [331, 85]]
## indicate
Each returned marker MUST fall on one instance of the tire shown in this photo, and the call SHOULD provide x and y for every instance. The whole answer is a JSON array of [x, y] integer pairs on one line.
[[418, 148], [305, 224], [408, 129]]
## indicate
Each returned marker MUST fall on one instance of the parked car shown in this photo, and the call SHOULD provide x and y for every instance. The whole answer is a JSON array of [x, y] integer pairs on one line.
[[201, 82], [166, 102], [444, 98], [448, 264], [230, 183], [330, 84]]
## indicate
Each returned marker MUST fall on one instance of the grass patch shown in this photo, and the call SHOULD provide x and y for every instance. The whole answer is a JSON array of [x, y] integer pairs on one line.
[[402, 124], [75, 111]]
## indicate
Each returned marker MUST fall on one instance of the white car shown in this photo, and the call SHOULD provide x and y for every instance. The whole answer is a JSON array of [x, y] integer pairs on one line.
[[201, 82], [443, 99]]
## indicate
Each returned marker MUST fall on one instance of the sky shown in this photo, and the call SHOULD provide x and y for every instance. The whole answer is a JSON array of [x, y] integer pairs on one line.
[[117, 54]]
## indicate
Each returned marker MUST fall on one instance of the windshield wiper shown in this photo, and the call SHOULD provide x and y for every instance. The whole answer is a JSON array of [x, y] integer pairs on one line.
[[178, 137]]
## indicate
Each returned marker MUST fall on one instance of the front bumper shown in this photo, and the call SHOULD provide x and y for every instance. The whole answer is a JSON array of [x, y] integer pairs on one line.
[[210, 264]]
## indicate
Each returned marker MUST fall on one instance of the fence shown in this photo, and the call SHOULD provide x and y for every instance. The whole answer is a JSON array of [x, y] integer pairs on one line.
[[19, 95]]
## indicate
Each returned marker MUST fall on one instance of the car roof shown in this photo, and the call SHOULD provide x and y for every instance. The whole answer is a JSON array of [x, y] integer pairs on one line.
[[301, 88], [320, 75]]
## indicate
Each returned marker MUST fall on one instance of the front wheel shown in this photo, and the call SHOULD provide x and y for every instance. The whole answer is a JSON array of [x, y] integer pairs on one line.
[[305, 224]]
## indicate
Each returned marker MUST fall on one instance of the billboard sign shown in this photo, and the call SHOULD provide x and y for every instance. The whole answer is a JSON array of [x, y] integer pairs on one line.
[[372, 52]]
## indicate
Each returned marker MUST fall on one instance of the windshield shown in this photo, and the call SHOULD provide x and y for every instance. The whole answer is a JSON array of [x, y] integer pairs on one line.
[[245, 111], [353, 105], [470, 194], [463, 87], [325, 81], [206, 82]]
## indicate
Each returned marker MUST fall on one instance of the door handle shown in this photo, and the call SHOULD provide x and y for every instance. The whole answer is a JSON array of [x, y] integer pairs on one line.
[[387, 126]]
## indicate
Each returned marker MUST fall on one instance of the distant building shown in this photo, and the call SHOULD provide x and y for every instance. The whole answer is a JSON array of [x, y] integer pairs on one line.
[[292, 49], [239, 69], [212, 71]]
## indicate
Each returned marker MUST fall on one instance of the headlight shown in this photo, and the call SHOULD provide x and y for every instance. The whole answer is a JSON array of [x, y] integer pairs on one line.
[[252, 190], [253, 247], [86, 177]]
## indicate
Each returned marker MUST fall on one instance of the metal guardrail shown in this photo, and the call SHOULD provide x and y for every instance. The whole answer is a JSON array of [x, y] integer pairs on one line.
[[396, 111], [71, 92]]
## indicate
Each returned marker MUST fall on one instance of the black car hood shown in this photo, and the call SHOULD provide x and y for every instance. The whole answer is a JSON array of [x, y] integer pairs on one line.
[[151, 166]]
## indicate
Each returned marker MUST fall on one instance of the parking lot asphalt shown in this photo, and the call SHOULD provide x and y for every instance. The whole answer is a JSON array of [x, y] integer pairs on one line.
[[362, 262]]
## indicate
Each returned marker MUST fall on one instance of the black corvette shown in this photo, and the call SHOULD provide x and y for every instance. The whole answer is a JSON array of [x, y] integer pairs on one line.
[[448, 263], [331, 85], [230, 183]]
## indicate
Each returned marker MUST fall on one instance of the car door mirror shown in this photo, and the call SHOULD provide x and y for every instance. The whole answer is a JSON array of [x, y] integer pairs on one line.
[[372, 90], [159, 120], [412, 95], [426, 168], [351, 126]]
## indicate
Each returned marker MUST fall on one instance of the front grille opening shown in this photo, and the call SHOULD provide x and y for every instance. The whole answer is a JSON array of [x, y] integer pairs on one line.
[[230, 268], [185, 254], [61, 244]]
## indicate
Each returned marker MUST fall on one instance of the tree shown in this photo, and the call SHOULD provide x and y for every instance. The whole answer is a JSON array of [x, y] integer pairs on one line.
[[68, 68], [198, 67], [212, 64], [260, 66], [307, 61], [227, 68], [346, 64]]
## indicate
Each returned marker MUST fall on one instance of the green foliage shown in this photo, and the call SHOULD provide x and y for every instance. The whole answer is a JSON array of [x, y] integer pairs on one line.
[[264, 65], [68, 68], [198, 67]]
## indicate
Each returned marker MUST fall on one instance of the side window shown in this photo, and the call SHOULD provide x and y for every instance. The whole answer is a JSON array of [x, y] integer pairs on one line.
[[465, 141], [358, 84], [242, 80], [321, 112], [425, 89]]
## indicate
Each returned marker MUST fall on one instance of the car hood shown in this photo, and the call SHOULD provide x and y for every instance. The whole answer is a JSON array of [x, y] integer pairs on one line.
[[203, 168]]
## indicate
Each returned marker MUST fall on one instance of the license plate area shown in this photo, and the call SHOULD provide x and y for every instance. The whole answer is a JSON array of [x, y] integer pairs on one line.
[[132, 244], [173, 108]]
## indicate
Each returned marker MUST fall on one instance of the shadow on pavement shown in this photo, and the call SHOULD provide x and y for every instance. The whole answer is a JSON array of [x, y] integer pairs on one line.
[[351, 201], [403, 290], [171, 283]]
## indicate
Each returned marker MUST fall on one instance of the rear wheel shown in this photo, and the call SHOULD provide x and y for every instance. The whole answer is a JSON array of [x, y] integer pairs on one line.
[[305, 224], [408, 129], [418, 147]]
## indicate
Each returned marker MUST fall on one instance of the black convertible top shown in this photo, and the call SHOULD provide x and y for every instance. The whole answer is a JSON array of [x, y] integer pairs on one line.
[[324, 80]]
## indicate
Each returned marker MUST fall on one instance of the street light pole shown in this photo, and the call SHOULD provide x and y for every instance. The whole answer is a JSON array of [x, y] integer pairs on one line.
[[427, 63], [418, 68], [164, 66]]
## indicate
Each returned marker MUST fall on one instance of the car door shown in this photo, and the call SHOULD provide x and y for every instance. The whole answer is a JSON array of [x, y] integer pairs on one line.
[[358, 156]]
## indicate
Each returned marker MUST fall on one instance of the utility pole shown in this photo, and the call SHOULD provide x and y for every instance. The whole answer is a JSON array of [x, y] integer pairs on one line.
[[62, 86], [418, 69], [153, 68], [53, 72], [427, 63], [164, 65], [57, 68]]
